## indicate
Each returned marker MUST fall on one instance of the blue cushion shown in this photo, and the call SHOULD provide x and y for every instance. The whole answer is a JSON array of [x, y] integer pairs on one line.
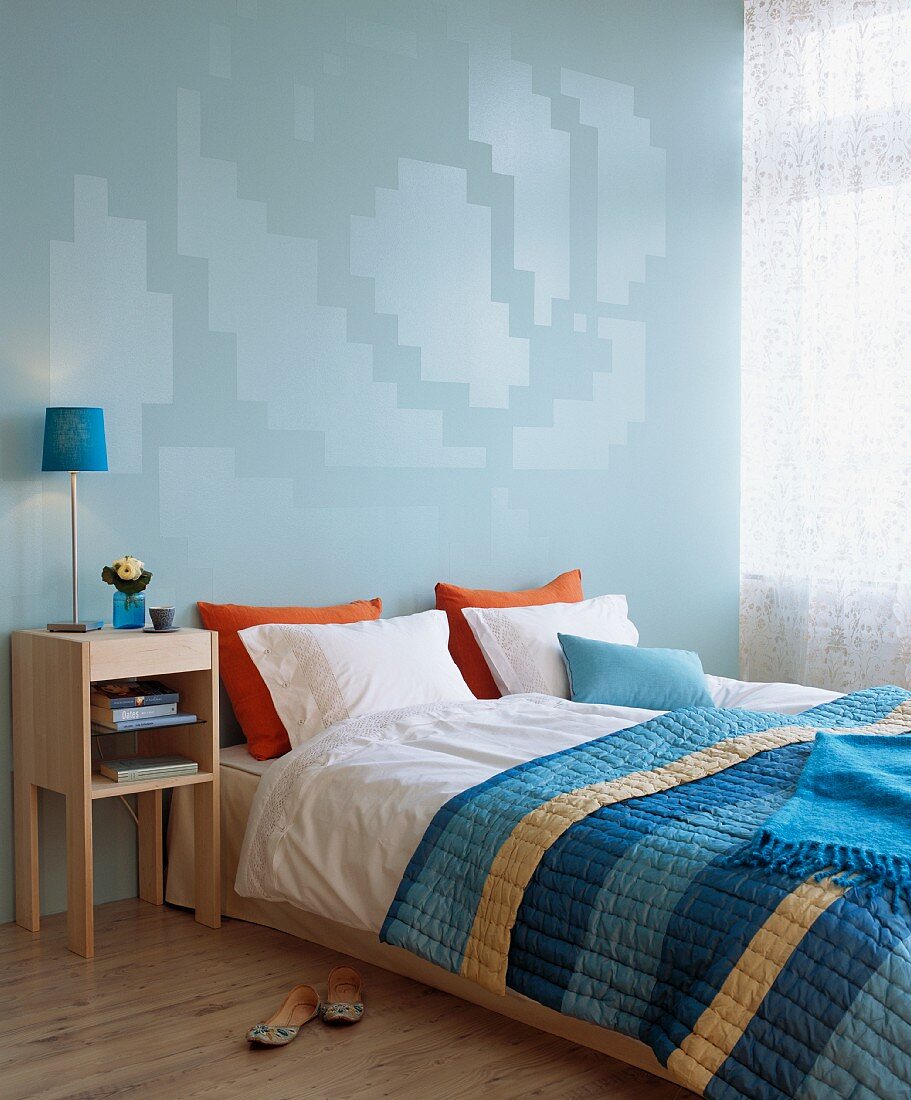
[[626, 676]]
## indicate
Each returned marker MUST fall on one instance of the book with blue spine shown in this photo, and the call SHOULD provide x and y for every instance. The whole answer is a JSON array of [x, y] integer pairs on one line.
[[143, 723], [107, 717]]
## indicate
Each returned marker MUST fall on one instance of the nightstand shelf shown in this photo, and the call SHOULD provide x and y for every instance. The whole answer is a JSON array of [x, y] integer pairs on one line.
[[102, 787], [53, 749]]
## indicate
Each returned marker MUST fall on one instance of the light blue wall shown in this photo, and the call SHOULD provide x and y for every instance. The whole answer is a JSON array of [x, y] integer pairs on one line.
[[374, 294]]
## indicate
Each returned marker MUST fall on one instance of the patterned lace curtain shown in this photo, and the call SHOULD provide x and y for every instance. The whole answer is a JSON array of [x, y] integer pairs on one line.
[[826, 530]]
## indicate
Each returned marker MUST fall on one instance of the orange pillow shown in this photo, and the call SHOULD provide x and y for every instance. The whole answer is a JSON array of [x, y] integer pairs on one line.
[[250, 698], [567, 588]]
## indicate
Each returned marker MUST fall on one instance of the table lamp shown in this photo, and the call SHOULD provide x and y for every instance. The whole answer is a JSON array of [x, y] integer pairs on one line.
[[74, 441]]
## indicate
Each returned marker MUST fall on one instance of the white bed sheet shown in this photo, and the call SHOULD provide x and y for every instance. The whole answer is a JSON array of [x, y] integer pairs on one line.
[[335, 821]]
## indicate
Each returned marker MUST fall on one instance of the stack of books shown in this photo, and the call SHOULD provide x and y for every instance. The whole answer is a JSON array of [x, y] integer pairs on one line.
[[122, 706], [134, 769]]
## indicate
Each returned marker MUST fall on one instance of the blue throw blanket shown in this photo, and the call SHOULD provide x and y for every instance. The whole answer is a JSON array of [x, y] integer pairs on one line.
[[598, 881], [850, 816]]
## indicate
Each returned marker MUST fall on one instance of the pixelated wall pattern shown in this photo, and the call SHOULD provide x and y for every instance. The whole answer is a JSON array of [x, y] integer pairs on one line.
[[374, 293]]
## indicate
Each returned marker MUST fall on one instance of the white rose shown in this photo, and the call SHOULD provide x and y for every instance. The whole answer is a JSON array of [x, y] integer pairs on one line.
[[129, 569]]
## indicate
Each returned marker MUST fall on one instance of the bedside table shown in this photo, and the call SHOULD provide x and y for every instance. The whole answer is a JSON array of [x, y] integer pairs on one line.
[[52, 748]]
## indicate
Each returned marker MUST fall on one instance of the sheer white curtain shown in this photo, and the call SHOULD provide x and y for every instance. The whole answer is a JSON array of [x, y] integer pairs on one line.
[[826, 530]]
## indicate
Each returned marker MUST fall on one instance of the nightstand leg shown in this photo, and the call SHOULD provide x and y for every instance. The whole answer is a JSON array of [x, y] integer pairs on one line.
[[208, 860], [28, 913], [151, 848], [80, 924]]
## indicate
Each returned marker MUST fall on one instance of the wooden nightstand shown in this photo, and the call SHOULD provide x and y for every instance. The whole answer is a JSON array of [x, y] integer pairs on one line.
[[52, 748]]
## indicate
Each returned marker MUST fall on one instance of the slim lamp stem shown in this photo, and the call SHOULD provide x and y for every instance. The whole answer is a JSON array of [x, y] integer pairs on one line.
[[75, 550]]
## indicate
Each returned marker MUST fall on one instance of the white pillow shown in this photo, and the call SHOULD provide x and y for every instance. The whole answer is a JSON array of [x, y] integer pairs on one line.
[[520, 643], [319, 675]]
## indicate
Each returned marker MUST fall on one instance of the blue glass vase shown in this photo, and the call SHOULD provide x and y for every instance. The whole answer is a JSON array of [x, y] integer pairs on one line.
[[129, 610]]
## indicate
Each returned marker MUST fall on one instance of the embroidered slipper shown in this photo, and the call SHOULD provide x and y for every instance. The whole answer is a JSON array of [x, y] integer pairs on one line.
[[298, 1008], [344, 1004]]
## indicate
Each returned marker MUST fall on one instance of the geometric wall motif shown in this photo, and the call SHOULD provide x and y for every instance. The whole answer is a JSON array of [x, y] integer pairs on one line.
[[292, 352], [507, 547], [211, 504], [631, 183], [364, 290], [504, 113], [428, 251], [110, 337], [583, 430]]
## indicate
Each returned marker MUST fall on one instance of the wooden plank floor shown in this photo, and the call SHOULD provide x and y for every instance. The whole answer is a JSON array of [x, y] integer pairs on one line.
[[162, 1009]]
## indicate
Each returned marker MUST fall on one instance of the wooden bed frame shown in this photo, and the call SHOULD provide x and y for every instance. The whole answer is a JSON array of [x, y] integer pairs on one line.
[[237, 791]]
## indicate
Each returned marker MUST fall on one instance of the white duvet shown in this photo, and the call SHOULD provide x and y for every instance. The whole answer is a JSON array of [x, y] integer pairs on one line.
[[335, 821]]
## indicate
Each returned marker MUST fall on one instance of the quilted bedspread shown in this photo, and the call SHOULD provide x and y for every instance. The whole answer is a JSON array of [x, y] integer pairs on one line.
[[602, 881]]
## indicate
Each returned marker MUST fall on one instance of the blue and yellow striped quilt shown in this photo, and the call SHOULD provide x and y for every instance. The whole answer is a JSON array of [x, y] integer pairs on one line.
[[599, 882]]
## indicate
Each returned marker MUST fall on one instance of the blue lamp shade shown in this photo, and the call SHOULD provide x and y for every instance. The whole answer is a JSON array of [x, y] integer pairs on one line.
[[74, 440]]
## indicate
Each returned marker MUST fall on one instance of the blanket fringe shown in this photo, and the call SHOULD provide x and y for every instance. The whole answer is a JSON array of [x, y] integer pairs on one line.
[[846, 866]]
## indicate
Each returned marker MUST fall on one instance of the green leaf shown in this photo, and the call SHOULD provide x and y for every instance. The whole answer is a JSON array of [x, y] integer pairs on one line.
[[129, 588]]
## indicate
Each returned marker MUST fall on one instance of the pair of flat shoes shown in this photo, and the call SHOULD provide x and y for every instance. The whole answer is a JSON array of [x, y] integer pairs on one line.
[[343, 1006]]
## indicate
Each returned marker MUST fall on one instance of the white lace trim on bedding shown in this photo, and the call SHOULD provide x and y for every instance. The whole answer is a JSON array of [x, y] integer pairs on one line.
[[318, 675], [268, 816], [516, 652]]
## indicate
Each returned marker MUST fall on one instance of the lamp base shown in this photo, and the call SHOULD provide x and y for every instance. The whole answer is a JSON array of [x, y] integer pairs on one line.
[[82, 627]]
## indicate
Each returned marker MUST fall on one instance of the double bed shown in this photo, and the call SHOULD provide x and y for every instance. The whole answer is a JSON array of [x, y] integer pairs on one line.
[[329, 843]]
